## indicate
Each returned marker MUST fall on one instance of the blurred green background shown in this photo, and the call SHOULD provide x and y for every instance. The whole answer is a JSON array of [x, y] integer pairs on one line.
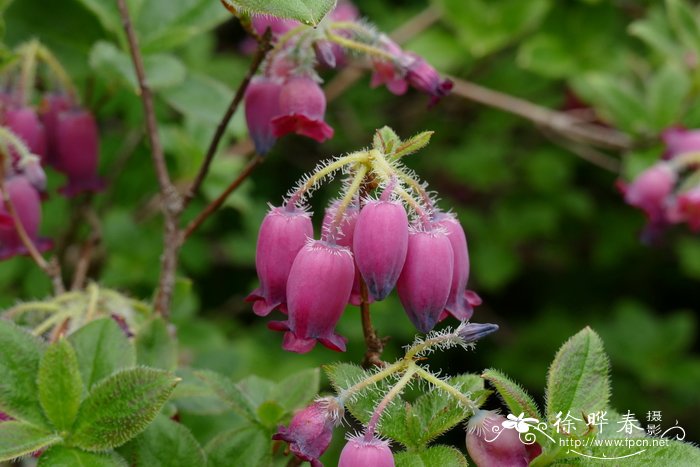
[[553, 247]]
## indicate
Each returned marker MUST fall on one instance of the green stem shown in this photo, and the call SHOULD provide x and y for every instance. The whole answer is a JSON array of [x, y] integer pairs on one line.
[[394, 392], [375, 378], [337, 164], [347, 199], [57, 69], [28, 70], [438, 383], [359, 46], [31, 306]]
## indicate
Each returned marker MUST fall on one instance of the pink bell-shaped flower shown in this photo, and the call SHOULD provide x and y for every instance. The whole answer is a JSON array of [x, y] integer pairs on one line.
[[78, 151], [423, 77], [262, 104], [687, 209], [361, 453], [25, 123], [680, 141], [491, 444], [650, 190], [380, 245], [278, 26], [302, 110], [318, 289], [283, 232], [386, 72], [51, 106], [311, 430], [458, 303], [426, 278], [26, 202]]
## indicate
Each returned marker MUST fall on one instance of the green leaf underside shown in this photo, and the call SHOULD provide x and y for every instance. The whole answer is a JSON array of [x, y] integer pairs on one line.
[[120, 407], [19, 364], [306, 11], [249, 445], [60, 385], [578, 377], [298, 389], [62, 456], [101, 348], [514, 396], [229, 392], [435, 456], [18, 439], [155, 347]]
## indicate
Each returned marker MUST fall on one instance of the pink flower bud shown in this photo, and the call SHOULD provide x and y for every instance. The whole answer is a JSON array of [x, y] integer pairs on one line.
[[311, 430], [35, 174], [344, 11], [4, 417], [679, 141], [261, 106], [687, 209], [302, 109], [26, 202], [51, 106], [491, 444], [426, 278], [386, 72], [318, 289], [458, 304], [283, 232], [78, 150], [360, 453], [650, 190], [278, 26], [380, 245], [423, 77], [25, 123]]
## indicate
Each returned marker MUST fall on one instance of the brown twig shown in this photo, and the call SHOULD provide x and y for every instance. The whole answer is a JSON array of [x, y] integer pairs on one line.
[[216, 204], [171, 205], [587, 153], [83, 265], [374, 344], [567, 125], [264, 47], [51, 268]]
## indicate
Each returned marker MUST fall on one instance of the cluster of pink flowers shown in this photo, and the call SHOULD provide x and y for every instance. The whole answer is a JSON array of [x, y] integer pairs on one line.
[[59, 134], [287, 97], [312, 281], [669, 191]]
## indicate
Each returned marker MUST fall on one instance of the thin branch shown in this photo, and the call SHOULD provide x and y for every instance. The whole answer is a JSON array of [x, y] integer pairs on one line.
[[216, 204], [171, 200], [264, 47], [83, 265], [586, 153], [564, 124], [374, 344]]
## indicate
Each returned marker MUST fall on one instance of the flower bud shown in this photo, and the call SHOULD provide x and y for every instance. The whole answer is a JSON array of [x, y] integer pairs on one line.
[[360, 453], [4, 417], [687, 209], [319, 286], [491, 444], [458, 304], [78, 150], [261, 106], [51, 106], [680, 141], [278, 26], [26, 202], [426, 277], [35, 173], [423, 77], [311, 430], [380, 245], [25, 123], [283, 232], [650, 190], [472, 332], [386, 72], [302, 109]]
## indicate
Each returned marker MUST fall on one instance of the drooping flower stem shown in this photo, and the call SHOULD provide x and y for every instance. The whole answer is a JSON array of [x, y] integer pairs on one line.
[[359, 46], [393, 392], [374, 344], [374, 378], [57, 69], [350, 193], [28, 70]]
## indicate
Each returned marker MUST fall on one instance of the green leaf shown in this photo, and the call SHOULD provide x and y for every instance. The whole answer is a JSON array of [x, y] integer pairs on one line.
[[435, 456], [18, 439], [685, 22], [195, 396], [270, 413], [666, 94], [155, 346], [655, 31], [120, 407], [162, 70], [298, 389], [164, 443], [307, 11], [229, 393], [107, 14], [514, 396], [101, 348], [60, 385], [19, 364], [675, 453], [249, 445], [62, 456], [343, 376], [385, 139], [200, 97], [578, 377], [413, 144]]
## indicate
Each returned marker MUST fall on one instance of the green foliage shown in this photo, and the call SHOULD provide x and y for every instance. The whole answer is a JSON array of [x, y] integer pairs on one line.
[[61, 456], [514, 396], [307, 11], [18, 439], [155, 346], [121, 406], [19, 363], [101, 348], [435, 456], [248, 445], [578, 377], [60, 385]]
